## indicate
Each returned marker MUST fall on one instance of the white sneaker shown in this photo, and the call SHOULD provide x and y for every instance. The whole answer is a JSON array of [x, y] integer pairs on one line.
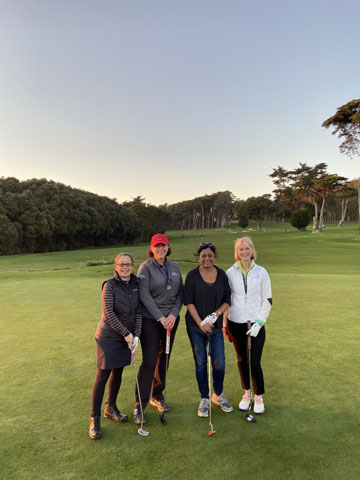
[[203, 410], [259, 405], [245, 402]]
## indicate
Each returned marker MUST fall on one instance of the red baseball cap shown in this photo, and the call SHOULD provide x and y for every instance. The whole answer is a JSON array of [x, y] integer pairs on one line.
[[159, 238]]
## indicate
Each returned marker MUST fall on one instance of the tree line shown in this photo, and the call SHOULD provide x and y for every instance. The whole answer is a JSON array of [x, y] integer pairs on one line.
[[326, 197], [41, 216]]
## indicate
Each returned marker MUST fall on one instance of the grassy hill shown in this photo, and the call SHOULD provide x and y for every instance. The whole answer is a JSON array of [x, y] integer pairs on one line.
[[50, 306]]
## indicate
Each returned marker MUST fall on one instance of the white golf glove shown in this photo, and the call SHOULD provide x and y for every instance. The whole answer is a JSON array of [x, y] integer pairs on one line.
[[135, 343], [209, 319], [255, 329]]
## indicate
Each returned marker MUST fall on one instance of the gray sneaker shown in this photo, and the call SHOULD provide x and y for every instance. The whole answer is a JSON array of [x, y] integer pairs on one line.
[[160, 404], [222, 402], [203, 410]]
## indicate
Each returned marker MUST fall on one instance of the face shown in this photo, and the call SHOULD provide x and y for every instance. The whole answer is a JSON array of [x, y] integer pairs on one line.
[[160, 250], [244, 251], [124, 266], [206, 258]]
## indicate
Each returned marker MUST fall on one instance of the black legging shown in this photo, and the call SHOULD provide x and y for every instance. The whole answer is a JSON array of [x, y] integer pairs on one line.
[[239, 337], [99, 388], [151, 373]]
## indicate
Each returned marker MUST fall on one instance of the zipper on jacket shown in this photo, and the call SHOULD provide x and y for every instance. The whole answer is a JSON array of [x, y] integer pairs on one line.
[[245, 282]]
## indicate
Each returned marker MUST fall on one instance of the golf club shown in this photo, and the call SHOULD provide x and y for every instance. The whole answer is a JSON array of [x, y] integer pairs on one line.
[[250, 418], [141, 431], [167, 352], [211, 431]]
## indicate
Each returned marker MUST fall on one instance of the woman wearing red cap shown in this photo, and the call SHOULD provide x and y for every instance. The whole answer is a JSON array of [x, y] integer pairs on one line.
[[161, 293]]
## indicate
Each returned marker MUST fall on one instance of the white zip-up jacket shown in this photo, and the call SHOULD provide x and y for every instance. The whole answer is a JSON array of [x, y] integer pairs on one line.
[[251, 296]]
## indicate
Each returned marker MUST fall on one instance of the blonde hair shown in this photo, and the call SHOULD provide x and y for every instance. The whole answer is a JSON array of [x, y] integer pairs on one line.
[[250, 242]]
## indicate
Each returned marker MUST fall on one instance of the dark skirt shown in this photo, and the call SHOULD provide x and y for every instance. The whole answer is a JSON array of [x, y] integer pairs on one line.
[[112, 353]]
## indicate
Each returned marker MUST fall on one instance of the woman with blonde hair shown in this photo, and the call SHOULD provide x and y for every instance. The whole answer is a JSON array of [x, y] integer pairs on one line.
[[251, 301]]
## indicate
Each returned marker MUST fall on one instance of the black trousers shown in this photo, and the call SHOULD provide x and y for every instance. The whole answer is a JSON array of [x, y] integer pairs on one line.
[[98, 390], [152, 371], [239, 338]]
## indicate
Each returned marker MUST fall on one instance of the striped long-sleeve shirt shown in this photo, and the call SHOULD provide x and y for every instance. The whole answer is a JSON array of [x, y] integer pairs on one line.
[[122, 310]]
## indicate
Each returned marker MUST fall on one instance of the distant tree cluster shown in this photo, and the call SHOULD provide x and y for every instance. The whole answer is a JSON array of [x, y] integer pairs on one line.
[[323, 196], [207, 211], [219, 209], [42, 216], [314, 186], [151, 219], [346, 125]]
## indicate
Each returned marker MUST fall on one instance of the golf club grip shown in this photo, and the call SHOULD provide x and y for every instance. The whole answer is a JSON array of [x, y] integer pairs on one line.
[[249, 336], [167, 347]]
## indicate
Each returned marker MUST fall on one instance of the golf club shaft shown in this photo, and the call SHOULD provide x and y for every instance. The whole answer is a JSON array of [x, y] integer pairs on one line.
[[138, 389], [249, 361], [209, 381], [167, 353]]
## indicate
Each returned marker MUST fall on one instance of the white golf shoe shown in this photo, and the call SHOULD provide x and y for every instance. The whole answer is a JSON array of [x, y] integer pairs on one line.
[[245, 402], [259, 404]]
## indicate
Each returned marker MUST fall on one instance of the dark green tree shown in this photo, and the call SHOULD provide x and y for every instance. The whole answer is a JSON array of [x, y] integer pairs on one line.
[[305, 185], [258, 208], [48, 216], [151, 219], [346, 125], [300, 219], [8, 236]]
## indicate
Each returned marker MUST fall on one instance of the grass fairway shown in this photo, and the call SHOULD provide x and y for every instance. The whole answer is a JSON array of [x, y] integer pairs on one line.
[[50, 306]]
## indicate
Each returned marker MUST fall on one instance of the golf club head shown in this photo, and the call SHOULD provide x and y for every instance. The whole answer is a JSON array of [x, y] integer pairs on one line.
[[143, 433], [211, 433], [162, 419], [250, 418]]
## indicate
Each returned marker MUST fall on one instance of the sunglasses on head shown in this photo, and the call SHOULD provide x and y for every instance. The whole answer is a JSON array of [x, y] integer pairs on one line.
[[206, 244]]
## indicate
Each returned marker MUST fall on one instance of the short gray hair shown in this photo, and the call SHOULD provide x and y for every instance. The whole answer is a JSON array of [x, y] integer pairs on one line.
[[122, 254]]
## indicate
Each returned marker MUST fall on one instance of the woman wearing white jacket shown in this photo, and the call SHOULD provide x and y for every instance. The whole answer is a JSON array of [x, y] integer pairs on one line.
[[251, 301]]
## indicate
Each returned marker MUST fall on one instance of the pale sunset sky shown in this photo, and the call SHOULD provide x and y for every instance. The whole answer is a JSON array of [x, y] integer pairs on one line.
[[173, 99]]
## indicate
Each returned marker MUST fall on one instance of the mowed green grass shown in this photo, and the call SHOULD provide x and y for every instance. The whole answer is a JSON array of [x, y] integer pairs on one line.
[[50, 306]]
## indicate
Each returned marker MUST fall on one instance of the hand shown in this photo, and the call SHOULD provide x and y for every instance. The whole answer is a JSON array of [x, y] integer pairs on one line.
[[254, 330], [171, 319], [129, 339], [207, 327], [135, 344], [166, 323], [227, 334], [209, 319]]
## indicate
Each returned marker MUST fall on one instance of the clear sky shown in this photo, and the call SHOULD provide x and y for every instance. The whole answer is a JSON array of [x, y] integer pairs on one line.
[[173, 99]]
